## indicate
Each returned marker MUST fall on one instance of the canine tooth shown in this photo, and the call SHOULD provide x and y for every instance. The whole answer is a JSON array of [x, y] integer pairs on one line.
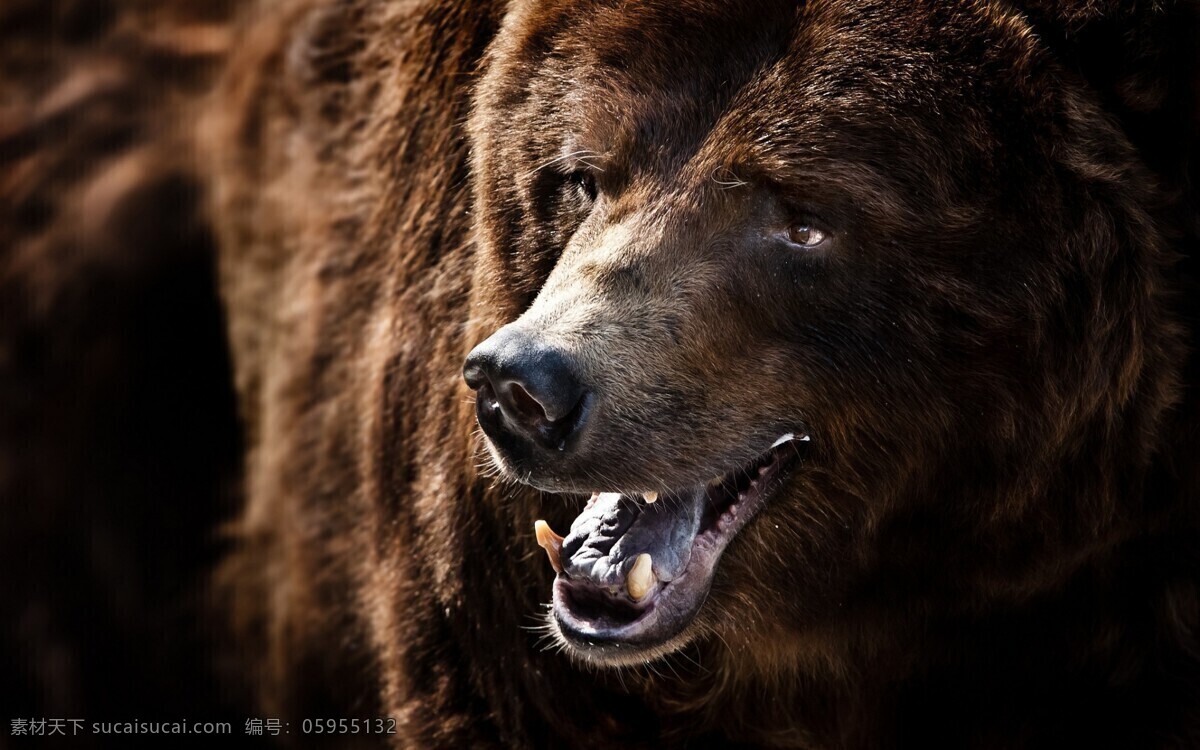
[[549, 541], [805, 439], [782, 439], [649, 496], [640, 579]]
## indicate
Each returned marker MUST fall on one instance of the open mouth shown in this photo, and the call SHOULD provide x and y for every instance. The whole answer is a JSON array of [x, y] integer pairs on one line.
[[634, 570]]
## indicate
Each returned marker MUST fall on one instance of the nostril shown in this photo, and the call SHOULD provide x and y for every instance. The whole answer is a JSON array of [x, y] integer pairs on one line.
[[474, 374], [526, 405]]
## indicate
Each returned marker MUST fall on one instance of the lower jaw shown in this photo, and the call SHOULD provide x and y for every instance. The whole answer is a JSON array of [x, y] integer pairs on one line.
[[612, 649]]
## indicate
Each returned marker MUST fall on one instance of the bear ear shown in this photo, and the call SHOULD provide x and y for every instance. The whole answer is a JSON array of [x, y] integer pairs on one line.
[[1142, 59]]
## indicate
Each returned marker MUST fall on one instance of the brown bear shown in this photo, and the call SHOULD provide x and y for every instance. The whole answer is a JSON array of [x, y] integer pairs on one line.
[[848, 343], [844, 349]]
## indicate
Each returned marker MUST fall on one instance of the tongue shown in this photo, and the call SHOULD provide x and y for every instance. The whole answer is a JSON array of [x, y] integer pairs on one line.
[[614, 529]]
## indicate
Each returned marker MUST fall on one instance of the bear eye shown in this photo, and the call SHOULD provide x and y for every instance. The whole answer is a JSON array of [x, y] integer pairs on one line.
[[805, 235], [585, 183]]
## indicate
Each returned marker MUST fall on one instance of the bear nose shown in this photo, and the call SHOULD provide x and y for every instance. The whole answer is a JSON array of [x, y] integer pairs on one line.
[[525, 387]]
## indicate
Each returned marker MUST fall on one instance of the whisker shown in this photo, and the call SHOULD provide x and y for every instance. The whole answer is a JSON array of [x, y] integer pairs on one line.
[[584, 153]]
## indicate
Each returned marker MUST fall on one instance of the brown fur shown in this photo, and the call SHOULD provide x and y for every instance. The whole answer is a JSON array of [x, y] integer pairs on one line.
[[992, 543]]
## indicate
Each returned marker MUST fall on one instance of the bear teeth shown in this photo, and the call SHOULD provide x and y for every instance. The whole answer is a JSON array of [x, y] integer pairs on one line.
[[551, 542], [641, 578]]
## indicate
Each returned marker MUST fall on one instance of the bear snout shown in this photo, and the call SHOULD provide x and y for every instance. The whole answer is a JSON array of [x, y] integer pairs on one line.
[[526, 390]]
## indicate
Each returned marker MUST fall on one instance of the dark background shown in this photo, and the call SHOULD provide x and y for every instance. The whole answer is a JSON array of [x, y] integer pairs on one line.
[[119, 443]]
